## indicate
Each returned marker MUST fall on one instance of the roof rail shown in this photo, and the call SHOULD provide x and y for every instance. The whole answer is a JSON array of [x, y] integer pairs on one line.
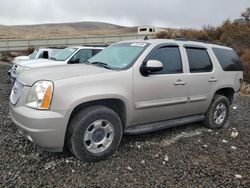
[[97, 45], [181, 39], [184, 39]]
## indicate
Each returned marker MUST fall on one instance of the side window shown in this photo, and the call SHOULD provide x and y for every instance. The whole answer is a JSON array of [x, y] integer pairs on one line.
[[83, 55], [199, 60], [95, 51], [170, 58], [228, 59], [44, 55]]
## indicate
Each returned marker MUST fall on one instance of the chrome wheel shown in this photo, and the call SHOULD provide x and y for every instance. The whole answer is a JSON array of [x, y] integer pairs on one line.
[[220, 113], [98, 136]]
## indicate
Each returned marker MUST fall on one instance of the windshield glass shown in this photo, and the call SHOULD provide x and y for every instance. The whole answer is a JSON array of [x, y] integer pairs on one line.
[[64, 54], [119, 56], [33, 55]]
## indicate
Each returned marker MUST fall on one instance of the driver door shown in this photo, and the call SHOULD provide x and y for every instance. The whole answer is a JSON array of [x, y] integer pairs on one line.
[[161, 95]]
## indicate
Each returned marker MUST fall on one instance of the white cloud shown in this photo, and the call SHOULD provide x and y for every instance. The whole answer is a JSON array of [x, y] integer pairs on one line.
[[168, 13]]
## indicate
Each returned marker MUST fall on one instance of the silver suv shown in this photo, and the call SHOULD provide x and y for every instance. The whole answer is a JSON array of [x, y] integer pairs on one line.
[[131, 87]]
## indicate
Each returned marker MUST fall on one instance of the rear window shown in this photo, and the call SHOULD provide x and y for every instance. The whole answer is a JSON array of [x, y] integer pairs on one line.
[[199, 60], [228, 59]]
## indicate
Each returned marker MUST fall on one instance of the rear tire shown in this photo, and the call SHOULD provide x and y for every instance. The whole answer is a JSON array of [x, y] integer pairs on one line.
[[217, 113], [94, 133]]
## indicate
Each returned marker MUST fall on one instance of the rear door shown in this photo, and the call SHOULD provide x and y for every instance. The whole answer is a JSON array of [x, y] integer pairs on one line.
[[200, 79]]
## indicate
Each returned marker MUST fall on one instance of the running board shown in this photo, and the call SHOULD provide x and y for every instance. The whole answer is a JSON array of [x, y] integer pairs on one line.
[[151, 127]]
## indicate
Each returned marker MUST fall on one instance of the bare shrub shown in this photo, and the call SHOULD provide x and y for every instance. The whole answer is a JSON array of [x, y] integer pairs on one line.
[[245, 59]]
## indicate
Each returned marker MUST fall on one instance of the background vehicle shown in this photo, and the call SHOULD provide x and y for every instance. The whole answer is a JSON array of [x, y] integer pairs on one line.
[[131, 87], [69, 55], [41, 53]]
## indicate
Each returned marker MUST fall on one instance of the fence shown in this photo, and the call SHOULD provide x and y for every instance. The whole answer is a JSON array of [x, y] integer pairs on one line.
[[15, 45]]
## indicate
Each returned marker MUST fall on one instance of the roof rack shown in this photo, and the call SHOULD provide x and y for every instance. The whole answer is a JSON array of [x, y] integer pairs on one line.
[[184, 39], [97, 45]]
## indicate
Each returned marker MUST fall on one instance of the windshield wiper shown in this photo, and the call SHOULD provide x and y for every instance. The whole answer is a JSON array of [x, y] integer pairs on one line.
[[105, 65], [87, 62]]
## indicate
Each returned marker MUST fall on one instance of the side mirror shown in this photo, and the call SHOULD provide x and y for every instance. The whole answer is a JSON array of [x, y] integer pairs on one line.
[[74, 60], [151, 66]]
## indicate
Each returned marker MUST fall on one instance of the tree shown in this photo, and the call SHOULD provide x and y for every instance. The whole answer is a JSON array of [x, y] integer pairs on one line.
[[246, 15]]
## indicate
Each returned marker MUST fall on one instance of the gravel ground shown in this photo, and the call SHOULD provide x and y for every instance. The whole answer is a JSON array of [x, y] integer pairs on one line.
[[186, 156]]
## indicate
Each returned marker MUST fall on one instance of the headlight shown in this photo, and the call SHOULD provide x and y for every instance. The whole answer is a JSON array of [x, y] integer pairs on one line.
[[40, 95]]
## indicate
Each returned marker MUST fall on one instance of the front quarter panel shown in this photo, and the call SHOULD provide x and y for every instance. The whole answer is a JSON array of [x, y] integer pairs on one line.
[[69, 93]]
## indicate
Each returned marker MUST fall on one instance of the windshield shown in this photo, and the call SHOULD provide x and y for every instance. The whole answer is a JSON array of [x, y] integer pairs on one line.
[[64, 54], [33, 55], [119, 56]]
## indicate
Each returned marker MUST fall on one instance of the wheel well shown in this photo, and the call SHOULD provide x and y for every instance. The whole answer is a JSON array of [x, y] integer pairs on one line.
[[227, 92], [116, 105]]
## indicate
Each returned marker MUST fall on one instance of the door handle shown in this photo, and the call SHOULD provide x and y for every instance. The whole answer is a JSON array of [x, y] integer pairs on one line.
[[212, 79], [179, 82]]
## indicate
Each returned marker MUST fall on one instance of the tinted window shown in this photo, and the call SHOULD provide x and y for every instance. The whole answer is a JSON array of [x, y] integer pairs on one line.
[[83, 55], [45, 55], [170, 58], [199, 60], [95, 51], [228, 59]]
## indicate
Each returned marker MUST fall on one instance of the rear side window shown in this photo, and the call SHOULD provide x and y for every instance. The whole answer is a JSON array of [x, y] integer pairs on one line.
[[170, 58], [228, 59], [199, 60]]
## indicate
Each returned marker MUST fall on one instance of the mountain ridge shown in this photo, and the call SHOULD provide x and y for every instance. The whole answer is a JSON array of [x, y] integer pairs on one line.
[[68, 29]]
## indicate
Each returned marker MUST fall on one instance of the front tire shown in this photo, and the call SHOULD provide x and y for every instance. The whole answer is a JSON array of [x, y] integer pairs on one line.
[[94, 133], [217, 114]]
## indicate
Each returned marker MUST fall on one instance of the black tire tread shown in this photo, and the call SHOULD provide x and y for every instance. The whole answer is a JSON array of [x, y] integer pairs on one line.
[[208, 122], [74, 123]]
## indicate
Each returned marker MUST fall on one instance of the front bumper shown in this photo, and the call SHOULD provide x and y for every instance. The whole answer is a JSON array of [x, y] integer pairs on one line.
[[45, 128]]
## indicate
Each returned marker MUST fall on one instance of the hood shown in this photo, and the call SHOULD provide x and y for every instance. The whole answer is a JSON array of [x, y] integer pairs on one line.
[[35, 62], [20, 58], [29, 77]]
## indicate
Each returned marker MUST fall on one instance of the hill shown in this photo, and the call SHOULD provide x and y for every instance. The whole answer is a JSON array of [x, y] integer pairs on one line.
[[57, 30]]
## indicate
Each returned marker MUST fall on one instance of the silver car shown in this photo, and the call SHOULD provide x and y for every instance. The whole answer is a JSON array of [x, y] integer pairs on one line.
[[131, 87]]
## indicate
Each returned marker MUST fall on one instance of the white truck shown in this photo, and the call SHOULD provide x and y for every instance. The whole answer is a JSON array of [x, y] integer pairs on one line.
[[70, 55], [41, 53]]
